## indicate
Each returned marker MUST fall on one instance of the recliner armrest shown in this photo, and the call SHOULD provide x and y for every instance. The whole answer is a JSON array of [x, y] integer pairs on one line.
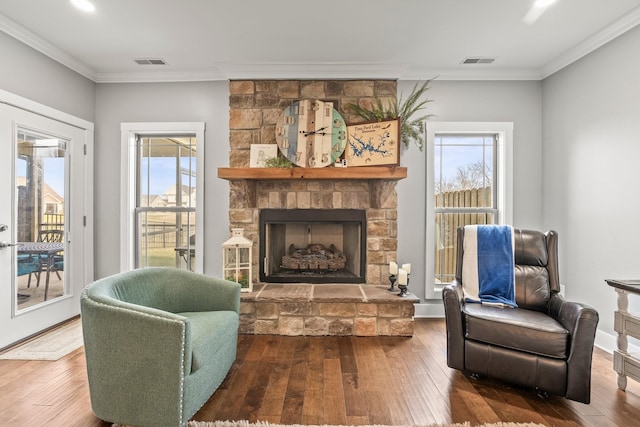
[[574, 316], [453, 300], [581, 321]]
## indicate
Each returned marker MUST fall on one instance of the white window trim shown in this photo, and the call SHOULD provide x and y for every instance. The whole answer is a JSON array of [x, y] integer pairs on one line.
[[128, 132], [504, 130]]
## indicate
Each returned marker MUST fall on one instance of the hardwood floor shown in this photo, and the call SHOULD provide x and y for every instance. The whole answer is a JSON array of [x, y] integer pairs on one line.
[[331, 380]]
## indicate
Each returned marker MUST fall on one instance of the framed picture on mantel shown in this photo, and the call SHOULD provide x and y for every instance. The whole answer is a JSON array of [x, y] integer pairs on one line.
[[261, 153], [373, 143]]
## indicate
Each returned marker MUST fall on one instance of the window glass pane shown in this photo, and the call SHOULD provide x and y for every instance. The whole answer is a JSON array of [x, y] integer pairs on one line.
[[446, 240], [40, 167], [167, 239], [464, 177], [461, 164]]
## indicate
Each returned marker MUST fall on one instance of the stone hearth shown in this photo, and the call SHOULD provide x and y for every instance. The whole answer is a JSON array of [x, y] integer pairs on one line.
[[304, 309]]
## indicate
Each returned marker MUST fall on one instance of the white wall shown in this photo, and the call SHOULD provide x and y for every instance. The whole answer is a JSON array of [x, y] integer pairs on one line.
[[497, 101], [160, 102], [591, 149], [34, 76]]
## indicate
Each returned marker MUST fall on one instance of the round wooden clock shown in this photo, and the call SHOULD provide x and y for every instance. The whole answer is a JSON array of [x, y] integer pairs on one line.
[[311, 133]]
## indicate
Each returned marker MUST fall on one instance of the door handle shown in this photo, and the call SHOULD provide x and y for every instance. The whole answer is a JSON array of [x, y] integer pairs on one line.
[[3, 227], [6, 244]]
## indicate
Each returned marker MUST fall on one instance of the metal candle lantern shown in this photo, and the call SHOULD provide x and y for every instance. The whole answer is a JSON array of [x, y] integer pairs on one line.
[[237, 259]]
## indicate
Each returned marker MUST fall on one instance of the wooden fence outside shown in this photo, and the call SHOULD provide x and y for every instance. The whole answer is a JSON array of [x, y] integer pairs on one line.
[[448, 222]]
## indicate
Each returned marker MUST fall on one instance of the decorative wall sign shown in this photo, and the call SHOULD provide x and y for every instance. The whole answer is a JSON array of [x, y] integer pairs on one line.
[[311, 133], [373, 143], [260, 153]]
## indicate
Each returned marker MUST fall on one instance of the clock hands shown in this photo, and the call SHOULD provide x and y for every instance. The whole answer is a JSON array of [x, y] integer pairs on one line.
[[314, 132]]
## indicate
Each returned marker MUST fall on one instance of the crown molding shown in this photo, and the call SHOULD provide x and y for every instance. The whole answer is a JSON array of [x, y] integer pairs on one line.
[[610, 32], [160, 76], [312, 71], [473, 72], [25, 36]]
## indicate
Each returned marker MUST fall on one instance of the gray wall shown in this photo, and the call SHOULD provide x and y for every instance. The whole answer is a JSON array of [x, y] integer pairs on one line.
[[160, 102], [34, 76], [473, 101], [591, 147]]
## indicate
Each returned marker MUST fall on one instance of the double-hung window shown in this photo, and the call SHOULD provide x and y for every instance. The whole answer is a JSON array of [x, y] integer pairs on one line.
[[166, 201], [162, 195], [468, 182]]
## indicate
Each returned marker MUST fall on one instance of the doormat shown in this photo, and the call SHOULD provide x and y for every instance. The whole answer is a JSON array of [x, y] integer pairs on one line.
[[50, 345]]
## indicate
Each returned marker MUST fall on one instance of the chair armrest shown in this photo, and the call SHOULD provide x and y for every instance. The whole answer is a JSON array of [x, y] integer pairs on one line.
[[453, 300], [581, 321], [136, 360]]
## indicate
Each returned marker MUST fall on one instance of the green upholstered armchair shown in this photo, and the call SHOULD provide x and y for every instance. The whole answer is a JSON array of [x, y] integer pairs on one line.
[[158, 343]]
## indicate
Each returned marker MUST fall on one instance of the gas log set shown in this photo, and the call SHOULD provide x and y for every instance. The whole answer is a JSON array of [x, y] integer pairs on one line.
[[314, 257]]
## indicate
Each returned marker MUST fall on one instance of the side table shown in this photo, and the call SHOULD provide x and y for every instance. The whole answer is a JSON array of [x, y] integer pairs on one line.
[[626, 325]]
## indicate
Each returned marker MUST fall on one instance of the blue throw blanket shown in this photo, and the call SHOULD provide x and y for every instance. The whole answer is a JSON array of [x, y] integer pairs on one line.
[[488, 265]]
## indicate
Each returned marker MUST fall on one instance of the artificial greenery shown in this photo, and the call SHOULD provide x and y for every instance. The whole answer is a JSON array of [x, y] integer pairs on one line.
[[243, 281], [278, 162], [410, 128]]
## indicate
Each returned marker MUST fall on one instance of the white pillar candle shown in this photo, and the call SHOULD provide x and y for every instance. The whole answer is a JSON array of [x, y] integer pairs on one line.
[[393, 267], [407, 268], [402, 277]]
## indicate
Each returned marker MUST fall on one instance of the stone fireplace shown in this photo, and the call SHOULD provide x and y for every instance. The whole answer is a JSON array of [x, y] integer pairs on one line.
[[317, 302]]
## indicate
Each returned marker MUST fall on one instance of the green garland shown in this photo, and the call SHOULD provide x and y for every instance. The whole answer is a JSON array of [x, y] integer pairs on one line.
[[278, 162]]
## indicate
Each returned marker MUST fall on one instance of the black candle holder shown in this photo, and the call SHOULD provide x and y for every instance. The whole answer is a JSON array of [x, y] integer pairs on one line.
[[404, 289], [392, 279]]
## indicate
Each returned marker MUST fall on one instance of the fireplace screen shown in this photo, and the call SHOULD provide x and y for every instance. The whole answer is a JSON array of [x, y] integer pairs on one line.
[[312, 245]]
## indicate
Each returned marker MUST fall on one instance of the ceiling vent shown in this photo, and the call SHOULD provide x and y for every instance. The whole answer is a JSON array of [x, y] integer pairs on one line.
[[478, 60], [150, 61]]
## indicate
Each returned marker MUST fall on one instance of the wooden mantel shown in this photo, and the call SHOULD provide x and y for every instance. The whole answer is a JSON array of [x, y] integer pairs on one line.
[[330, 172]]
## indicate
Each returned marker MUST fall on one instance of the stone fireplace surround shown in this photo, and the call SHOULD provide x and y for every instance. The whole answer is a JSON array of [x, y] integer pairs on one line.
[[304, 309]]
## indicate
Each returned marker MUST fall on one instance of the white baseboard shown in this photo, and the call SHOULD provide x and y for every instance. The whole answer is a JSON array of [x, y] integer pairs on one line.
[[429, 309], [609, 343]]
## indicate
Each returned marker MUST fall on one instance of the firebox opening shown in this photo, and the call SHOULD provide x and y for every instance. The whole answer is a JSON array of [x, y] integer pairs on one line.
[[313, 245]]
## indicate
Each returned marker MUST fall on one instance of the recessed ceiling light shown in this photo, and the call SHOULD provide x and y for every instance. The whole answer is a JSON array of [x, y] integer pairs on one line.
[[536, 11], [544, 3], [84, 5]]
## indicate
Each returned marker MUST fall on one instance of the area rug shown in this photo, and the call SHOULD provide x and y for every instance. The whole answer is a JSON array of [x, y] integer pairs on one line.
[[51, 345], [265, 424]]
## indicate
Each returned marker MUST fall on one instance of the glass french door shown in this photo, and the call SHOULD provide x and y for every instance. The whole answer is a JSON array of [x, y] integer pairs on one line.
[[42, 222]]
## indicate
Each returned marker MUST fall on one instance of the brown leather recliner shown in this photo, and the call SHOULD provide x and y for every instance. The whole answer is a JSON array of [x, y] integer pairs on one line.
[[545, 344]]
